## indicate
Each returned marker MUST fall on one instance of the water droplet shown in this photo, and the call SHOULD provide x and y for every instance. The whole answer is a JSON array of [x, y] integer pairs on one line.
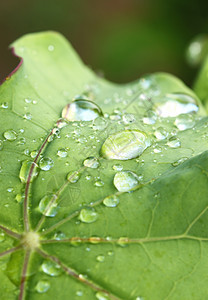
[[88, 215], [51, 48], [62, 152], [20, 198], [100, 258], [42, 286], [46, 163], [160, 133], [157, 149], [1, 144], [177, 104], [27, 116], [10, 135], [4, 105], [21, 141], [28, 100], [110, 253], [128, 118], [59, 236], [184, 121], [88, 177], [179, 161], [123, 241], [45, 202], [2, 237], [61, 123], [51, 268], [118, 167], [73, 176], [174, 142], [79, 293], [125, 145], [25, 170], [34, 153], [91, 162], [99, 183], [101, 296], [81, 110], [99, 123], [124, 181], [111, 201], [150, 118]]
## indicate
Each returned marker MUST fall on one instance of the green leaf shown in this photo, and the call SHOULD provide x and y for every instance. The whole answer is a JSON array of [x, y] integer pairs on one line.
[[112, 206]]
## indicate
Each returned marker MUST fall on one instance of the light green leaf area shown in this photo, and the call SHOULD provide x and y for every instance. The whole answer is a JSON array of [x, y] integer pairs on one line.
[[58, 238]]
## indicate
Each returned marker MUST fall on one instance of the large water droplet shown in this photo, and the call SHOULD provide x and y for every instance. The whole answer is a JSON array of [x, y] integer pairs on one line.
[[111, 201], [44, 202], [10, 135], [124, 181], [25, 170], [46, 163], [184, 121], [88, 215], [42, 286], [125, 145], [91, 162], [81, 110], [177, 104], [62, 152], [51, 268]]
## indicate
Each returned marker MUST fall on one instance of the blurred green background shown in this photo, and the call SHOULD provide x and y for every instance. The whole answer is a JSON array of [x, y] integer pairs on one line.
[[122, 39]]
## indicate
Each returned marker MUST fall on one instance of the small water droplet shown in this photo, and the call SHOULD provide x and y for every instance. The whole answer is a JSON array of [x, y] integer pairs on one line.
[[100, 258], [44, 203], [46, 163], [150, 118], [25, 170], [174, 142], [20, 198], [111, 201], [34, 153], [21, 141], [73, 176], [79, 293], [62, 152], [42, 286], [27, 116], [59, 236], [91, 162], [118, 167], [157, 149], [128, 118], [88, 177], [88, 215], [101, 296], [160, 133], [99, 123], [51, 48], [4, 105], [179, 161], [81, 110], [10, 135], [2, 237], [110, 253], [125, 145], [51, 268], [124, 181], [99, 183], [123, 241], [1, 144], [184, 121]]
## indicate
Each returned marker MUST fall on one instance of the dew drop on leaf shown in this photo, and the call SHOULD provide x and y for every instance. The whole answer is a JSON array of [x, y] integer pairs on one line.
[[62, 152], [101, 296], [73, 176], [99, 183], [61, 123], [2, 237], [51, 268], [125, 145], [160, 133], [42, 286], [99, 123], [81, 110], [111, 201], [46, 163], [174, 142], [100, 258], [150, 118], [44, 202], [88, 215], [184, 121], [1, 144], [79, 293], [34, 153], [128, 118], [179, 161], [123, 241], [20, 198], [10, 135], [124, 181], [59, 236], [25, 170], [91, 162]]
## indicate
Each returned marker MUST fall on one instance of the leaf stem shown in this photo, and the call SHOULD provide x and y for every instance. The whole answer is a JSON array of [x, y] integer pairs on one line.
[[12, 250], [24, 274], [11, 233]]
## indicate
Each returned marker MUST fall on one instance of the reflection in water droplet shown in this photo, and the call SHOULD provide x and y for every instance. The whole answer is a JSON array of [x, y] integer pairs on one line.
[[125, 145], [51, 268], [99, 123], [91, 162], [160, 133], [42, 286], [184, 121], [46, 163], [62, 152], [176, 104], [179, 161], [10, 135], [124, 181], [100, 258], [73, 176], [44, 202], [111, 201], [88, 215], [81, 110], [101, 296], [174, 142], [25, 170]]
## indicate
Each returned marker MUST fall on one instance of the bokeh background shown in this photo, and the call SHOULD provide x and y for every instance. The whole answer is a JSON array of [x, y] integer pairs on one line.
[[121, 39]]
